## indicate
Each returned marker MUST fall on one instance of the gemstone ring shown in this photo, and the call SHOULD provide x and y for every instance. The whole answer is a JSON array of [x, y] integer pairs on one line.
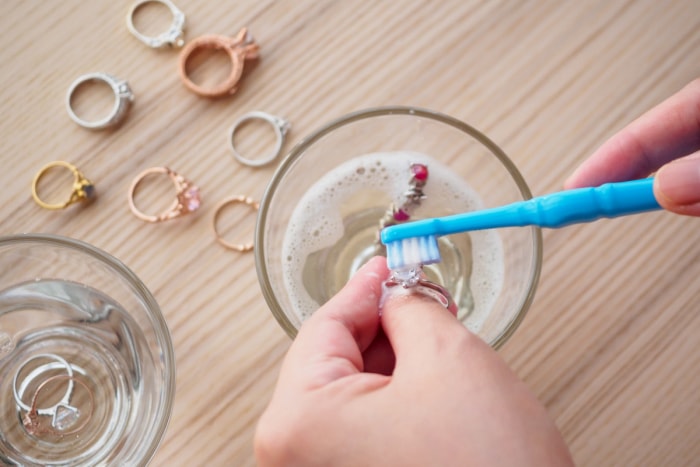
[[83, 189], [123, 97], [186, 201]]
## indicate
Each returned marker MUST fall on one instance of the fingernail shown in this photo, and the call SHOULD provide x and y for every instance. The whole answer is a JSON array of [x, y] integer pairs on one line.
[[679, 181]]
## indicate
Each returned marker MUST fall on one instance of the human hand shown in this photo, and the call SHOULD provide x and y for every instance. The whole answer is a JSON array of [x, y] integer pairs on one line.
[[664, 138], [446, 399]]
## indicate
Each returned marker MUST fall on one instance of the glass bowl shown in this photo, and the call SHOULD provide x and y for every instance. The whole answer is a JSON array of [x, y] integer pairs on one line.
[[319, 217], [87, 369]]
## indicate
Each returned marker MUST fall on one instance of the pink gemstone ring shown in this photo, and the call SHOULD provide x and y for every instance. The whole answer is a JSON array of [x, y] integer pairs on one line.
[[187, 196]]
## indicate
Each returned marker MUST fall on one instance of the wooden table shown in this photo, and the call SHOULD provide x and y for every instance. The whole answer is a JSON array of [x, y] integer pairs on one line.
[[611, 343]]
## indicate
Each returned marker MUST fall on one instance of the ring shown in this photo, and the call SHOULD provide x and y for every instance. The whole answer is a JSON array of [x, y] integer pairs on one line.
[[83, 189], [123, 97], [58, 363], [187, 197], [31, 422], [427, 288], [242, 247], [279, 124], [240, 48], [171, 37]]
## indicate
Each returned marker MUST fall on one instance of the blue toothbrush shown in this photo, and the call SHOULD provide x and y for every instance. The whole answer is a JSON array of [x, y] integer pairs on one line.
[[415, 243]]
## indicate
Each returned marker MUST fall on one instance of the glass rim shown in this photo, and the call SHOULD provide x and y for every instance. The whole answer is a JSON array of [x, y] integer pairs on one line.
[[308, 141], [161, 329]]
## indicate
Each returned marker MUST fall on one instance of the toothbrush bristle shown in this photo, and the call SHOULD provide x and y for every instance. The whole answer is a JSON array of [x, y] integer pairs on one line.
[[412, 252]]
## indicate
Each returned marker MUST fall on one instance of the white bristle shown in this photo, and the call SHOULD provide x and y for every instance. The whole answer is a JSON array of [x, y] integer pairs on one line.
[[412, 252]]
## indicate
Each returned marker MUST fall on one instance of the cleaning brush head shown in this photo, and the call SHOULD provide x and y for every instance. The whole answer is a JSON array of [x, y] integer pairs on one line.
[[410, 252]]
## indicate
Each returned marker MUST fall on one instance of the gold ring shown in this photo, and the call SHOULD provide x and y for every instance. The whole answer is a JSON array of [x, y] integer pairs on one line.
[[242, 247], [187, 197], [83, 189]]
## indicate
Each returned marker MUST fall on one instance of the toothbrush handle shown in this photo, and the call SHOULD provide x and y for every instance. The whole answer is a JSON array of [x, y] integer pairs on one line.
[[588, 204], [553, 211]]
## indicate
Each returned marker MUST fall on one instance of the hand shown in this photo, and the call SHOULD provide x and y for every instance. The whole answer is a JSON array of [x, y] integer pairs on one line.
[[665, 138], [450, 399]]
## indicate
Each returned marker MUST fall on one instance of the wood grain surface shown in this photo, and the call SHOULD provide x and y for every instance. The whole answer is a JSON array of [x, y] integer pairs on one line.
[[611, 344]]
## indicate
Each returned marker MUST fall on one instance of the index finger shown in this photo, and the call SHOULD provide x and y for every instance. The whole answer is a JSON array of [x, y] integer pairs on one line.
[[666, 132]]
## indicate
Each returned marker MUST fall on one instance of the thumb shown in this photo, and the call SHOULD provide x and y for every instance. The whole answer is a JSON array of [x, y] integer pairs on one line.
[[418, 327], [677, 186]]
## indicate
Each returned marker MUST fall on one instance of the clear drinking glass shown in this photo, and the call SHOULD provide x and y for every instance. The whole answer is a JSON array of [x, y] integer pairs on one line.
[[319, 217], [87, 369]]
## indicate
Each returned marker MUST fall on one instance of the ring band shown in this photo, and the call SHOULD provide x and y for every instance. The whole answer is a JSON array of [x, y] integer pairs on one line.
[[83, 189], [279, 125], [429, 289], [187, 197], [172, 37], [58, 363], [123, 97], [31, 422], [239, 49], [241, 247]]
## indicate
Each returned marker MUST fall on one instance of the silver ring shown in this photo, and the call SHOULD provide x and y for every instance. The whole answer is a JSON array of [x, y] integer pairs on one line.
[[58, 363], [427, 288], [279, 124], [174, 36], [123, 97]]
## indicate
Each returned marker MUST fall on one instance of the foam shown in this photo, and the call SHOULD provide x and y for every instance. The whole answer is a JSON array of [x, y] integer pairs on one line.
[[317, 222]]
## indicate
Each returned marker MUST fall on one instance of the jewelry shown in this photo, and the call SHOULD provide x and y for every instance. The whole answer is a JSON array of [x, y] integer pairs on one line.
[[31, 419], [412, 198], [63, 415], [415, 281], [187, 197], [279, 124], [83, 189], [240, 48], [58, 363], [123, 97], [234, 200], [172, 37]]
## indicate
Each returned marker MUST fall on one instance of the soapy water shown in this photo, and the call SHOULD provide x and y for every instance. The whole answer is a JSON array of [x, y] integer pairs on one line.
[[333, 229]]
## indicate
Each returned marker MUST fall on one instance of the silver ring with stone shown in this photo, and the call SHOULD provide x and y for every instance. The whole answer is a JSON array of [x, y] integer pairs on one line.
[[427, 288], [174, 36], [279, 125], [123, 97], [57, 364]]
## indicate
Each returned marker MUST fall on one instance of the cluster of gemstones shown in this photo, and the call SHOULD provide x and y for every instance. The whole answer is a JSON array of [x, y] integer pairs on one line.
[[412, 198]]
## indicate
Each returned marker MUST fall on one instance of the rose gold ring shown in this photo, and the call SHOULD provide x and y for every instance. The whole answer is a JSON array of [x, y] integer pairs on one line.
[[187, 196], [239, 49], [31, 419], [242, 247]]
